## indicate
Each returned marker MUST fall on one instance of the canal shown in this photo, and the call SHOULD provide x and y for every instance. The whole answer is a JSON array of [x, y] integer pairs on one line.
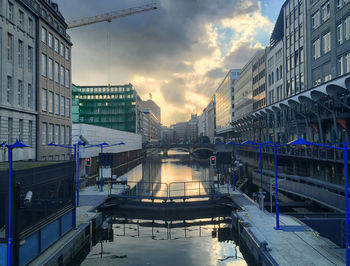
[[201, 237]]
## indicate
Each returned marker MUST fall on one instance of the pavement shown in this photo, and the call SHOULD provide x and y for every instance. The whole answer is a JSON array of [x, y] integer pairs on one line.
[[295, 244]]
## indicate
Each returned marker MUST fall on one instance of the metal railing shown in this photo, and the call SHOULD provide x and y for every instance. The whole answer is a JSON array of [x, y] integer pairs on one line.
[[312, 152], [171, 191]]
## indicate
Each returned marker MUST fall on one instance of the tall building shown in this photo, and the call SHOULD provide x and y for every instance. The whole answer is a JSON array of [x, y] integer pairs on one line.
[[206, 122], [151, 126], [180, 130], [114, 106], [54, 83], [18, 77], [307, 76], [192, 129], [225, 104], [259, 80]]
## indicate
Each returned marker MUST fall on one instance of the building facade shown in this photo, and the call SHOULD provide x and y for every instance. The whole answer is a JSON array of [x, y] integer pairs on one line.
[[224, 96], [114, 106], [18, 77], [206, 122], [310, 97], [54, 84]]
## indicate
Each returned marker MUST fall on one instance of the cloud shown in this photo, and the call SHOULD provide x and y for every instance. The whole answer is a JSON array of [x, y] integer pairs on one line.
[[179, 53]]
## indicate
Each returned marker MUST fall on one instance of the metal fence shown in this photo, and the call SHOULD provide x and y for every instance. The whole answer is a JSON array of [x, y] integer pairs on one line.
[[171, 191]]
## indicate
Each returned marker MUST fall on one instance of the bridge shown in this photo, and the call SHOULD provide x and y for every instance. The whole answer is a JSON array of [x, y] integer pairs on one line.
[[190, 148]]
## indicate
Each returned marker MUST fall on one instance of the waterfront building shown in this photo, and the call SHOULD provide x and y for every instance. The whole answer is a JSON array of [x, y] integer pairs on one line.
[[112, 106], [192, 129], [151, 121], [259, 80], [224, 96], [54, 83], [206, 122], [180, 130], [18, 77]]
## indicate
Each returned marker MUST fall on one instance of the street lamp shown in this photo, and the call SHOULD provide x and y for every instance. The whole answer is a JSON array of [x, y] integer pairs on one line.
[[10, 148], [346, 179], [101, 157]]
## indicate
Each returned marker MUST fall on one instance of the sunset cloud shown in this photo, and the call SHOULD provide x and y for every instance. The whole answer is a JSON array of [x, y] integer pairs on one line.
[[178, 53]]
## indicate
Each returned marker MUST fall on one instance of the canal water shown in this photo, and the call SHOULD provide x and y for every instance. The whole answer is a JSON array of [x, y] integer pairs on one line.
[[135, 238]]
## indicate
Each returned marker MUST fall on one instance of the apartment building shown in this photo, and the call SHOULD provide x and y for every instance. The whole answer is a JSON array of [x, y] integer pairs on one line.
[[54, 84], [18, 35]]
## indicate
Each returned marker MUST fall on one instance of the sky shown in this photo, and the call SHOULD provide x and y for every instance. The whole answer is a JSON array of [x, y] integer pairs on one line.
[[178, 53]]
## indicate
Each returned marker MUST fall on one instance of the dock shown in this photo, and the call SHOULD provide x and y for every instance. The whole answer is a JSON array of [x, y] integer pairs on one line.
[[295, 244]]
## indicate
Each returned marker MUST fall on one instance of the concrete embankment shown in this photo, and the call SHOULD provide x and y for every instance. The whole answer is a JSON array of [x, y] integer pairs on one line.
[[294, 244]]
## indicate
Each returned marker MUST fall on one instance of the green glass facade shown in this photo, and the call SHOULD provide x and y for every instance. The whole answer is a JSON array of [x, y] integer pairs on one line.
[[114, 106]]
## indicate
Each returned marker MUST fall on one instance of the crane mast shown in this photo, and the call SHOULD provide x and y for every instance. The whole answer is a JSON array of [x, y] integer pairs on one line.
[[111, 15]]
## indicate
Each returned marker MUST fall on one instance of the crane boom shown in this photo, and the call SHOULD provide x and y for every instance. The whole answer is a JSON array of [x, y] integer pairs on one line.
[[111, 15]]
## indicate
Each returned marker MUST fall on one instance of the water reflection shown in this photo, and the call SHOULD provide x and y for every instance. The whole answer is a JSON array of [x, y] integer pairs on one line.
[[175, 175], [206, 241]]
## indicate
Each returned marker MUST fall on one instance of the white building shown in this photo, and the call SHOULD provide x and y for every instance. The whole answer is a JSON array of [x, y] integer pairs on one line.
[[18, 33]]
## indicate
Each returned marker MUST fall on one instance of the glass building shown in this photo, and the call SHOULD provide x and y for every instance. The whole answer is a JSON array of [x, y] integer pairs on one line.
[[225, 103], [113, 106]]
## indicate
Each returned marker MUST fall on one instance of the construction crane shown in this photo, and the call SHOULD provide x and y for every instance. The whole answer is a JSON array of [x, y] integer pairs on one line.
[[111, 15]]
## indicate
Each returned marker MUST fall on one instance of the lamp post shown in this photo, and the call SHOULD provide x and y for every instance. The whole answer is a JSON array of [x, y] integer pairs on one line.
[[10, 148], [101, 164]]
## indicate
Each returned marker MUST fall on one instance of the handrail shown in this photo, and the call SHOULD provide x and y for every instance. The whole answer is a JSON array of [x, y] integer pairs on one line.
[[174, 190]]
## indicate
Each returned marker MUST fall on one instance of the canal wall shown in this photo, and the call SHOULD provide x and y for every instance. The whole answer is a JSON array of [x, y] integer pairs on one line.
[[294, 242]]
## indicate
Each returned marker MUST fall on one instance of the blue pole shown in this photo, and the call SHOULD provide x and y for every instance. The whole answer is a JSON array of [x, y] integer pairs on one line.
[[9, 240], [276, 193], [261, 173], [78, 174], [75, 202], [101, 178], [233, 168], [346, 174]]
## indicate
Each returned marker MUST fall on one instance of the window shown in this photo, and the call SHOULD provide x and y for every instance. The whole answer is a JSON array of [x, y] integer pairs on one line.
[[316, 49], [62, 75], [9, 89], [67, 135], [50, 40], [340, 33], [21, 19], [57, 72], [20, 129], [280, 71], [9, 47], [315, 19], [44, 100], [43, 133], [9, 130], [57, 132], [67, 53], [62, 49], [20, 93], [43, 35], [326, 39], [347, 28], [67, 107], [51, 104], [30, 140], [20, 54], [62, 135], [30, 26], [297, 84], [10, 11], [50, 68], [57, 49], [67, 78], [57, 104], [43, 64], [347, 63], [302, 84], [325, 11], [62, 105], [30, 95], [50, 133], [30, 59]]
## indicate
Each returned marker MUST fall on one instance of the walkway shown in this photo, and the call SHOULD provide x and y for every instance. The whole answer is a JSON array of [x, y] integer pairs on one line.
[[296, 244]]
